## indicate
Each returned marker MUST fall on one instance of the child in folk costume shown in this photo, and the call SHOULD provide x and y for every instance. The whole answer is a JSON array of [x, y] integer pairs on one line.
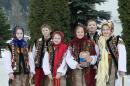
[[113, 57], [39, 48], [54, 63], [92, 33], [18, 62], [92, 30], [83, 51]]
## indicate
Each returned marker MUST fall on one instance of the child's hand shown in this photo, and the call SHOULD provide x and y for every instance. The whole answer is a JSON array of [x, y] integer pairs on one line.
[[11, 76], [89, 59], [58, 75], [50, 76], [78, 66]]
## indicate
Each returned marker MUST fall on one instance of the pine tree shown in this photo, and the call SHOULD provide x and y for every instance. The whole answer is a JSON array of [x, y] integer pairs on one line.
[[82, 10], [4, 29], [53, 12], [124, 10]]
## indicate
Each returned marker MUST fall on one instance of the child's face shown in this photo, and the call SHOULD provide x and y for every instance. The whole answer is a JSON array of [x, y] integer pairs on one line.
[[56, 39], [19, 34], [92, 26], [106, 31], [46, 32], [80, 32]]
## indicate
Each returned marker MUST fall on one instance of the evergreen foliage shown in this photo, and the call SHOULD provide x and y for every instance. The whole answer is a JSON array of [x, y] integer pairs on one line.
[[53, 12], [124, 10], [4, 29], [82, 10]]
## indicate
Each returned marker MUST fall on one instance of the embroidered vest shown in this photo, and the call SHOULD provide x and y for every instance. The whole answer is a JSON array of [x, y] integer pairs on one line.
[[95, 37], [19, 59], [87, 46], [41, 47], [112, 43], [51, 58]]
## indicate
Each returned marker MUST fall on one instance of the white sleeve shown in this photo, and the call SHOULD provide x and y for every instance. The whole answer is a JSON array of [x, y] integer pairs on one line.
[[122, 58], [31, 63], [94, 60], [7, 61], [70, 60], [34, 51], [97, 50], [63, 67], [45, 64]]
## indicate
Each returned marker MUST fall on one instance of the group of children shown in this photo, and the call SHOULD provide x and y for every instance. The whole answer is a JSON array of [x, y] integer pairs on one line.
[[89, 59]]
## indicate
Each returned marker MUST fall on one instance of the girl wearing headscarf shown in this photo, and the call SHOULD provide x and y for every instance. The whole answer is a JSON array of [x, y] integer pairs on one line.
[[18, 62], [83, 51], [112, 64], [54, 64]]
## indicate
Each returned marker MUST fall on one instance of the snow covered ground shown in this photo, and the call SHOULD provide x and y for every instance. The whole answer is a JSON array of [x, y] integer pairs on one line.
[[3, 74]]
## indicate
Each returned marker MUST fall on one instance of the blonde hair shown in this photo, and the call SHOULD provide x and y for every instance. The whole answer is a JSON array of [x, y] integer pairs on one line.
[[102, 76], [109, 24]]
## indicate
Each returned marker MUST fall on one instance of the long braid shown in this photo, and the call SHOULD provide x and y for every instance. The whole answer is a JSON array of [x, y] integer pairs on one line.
[[103, 67]]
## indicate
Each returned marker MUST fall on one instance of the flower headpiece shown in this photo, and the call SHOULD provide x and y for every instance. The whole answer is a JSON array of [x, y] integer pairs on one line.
[[109, 23]]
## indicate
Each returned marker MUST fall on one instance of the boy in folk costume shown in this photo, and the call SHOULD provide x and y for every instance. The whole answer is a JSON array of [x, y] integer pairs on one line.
[[18, 62], [39, 48], [113, 57], [83, 51], [92, 33], [54, 64]]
